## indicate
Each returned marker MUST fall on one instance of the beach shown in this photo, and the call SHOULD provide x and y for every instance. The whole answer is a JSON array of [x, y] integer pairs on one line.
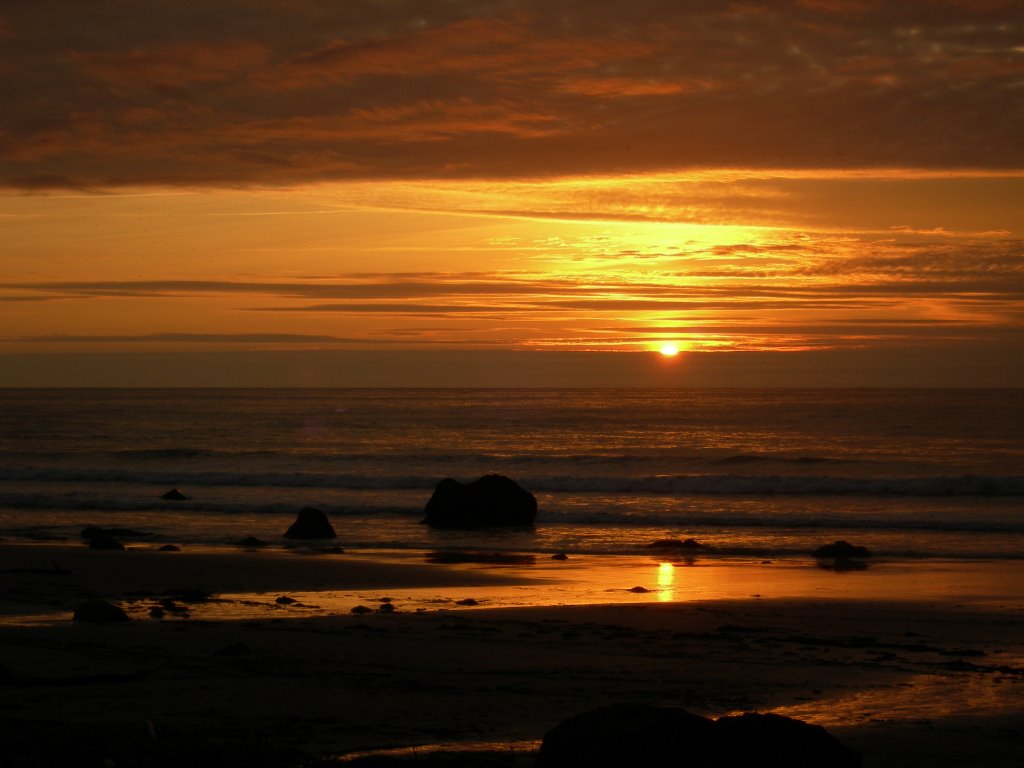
[[258, 658]]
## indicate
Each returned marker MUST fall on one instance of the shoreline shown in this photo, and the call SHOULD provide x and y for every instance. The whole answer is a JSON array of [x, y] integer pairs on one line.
[[892, 675], [419, 580]]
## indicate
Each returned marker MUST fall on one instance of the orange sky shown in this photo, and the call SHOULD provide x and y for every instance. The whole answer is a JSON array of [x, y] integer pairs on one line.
[[826, 192]]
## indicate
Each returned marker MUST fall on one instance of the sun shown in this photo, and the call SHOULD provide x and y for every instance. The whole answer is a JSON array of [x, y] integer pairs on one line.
[[669, 350]]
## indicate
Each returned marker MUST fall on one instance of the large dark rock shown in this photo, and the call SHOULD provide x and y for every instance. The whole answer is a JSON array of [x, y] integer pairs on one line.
[[92, 531], [765, 739], [842, 550], [635, 734], [310, 524], [99, 611], [174, 495], [492, 501], [685, 544], [629, 735]]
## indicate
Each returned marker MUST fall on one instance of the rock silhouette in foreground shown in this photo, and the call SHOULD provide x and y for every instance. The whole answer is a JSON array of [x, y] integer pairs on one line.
[[842, 550], [490, 502], [174, 495], [99, 611], [629, 734], [310, 524], [635, 734], [767, 739]]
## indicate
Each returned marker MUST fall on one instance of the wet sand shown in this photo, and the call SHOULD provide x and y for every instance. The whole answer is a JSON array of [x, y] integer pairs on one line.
[[909, 663]]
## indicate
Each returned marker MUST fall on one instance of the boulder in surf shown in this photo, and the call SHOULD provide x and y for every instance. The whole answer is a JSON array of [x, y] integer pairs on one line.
[[310, 524], [492, 501]]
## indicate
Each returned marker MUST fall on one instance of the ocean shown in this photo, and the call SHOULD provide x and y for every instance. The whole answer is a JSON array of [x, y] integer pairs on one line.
[[749, 473]]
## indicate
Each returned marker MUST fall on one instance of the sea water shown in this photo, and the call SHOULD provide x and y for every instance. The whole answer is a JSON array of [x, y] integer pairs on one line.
[[748, 473]]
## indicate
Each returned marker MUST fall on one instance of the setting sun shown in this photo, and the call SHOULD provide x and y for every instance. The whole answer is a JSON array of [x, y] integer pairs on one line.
[[669, 350]]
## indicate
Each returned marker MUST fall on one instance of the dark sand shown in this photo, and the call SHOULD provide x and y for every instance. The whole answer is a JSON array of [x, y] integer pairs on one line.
[[247, 681]]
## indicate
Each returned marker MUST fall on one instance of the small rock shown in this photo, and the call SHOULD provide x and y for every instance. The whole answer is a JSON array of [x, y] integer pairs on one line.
[[174, 495], [360, 609], [169, 548], [285, 600], [156, 612], [99, 611], [310, 524], [386, 608], [252, 541], [560, 556], [639, 590], [467, 601]]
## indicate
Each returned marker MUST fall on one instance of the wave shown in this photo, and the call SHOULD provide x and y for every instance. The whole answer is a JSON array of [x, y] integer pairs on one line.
[[791, 485], [21, 501], [593, 457], [606, 515], [670, 485]]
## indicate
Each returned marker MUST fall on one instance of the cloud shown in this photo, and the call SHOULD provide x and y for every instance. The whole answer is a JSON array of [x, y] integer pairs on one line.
[[172, 65], [227, 93], [203, 338]]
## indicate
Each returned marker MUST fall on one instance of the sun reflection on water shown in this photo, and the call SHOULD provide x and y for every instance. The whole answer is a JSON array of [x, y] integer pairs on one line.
[[666, 578]]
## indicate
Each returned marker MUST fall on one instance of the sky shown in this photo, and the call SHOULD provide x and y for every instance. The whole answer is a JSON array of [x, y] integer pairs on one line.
[[507, 192]]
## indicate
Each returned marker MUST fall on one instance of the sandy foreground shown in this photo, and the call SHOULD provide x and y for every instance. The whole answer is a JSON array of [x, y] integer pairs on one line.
[[912, 664]]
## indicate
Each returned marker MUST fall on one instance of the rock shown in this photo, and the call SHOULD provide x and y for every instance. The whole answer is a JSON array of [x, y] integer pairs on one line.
[[560, 556], [169, 548], [331, 551], [467, 601], [766, 739], [92, 531], [629, 735], [676, 544], [387, 608], [156, 612], [842, 550], [361, 609], [636, 734], [491, 501], [105, 542], [638, 590], [285, 600], [99, 611], [174, 495], [841, 564], [310, 524], [252, 541]]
